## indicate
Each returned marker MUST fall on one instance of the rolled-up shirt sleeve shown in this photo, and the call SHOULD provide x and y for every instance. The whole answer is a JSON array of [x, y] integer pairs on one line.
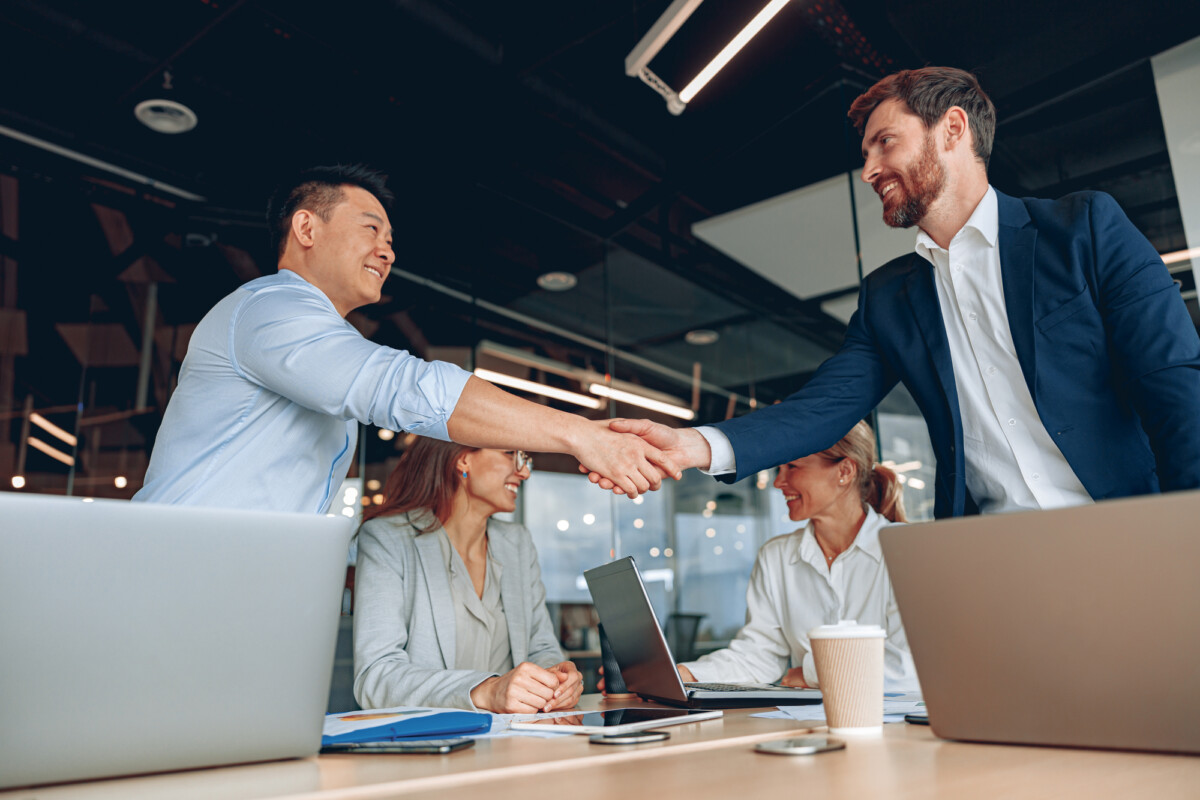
[[291, 341]]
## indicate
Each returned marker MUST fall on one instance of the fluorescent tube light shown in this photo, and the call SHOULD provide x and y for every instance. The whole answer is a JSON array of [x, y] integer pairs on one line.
[[642, 402], [52, 429], [730, 50], [537, 388], [1180, 255], [907, 466], [638, 61], [57, 455]]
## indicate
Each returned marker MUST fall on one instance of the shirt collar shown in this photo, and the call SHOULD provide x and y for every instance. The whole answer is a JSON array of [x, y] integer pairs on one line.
[[806, 548], [985, 220]]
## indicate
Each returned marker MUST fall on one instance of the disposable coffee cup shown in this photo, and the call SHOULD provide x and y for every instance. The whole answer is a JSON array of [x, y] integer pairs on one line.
[[849, 660]]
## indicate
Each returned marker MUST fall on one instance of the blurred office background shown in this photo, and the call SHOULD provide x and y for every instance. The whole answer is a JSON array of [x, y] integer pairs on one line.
[[555, 223]]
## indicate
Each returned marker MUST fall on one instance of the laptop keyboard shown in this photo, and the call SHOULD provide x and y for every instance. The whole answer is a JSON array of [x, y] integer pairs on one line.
[[723, 687]]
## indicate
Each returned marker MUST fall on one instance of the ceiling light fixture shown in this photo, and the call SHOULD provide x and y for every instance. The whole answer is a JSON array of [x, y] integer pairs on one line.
[[1180, 255], [57, 455], [907, 466], [537, 388], [52, 429], [557, 281], [165, 116], [730, 50], [638, 60], [641, 401], [701, 336]]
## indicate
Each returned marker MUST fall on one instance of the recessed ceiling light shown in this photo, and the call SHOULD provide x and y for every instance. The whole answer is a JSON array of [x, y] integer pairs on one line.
[[165, 116], [557, 281], [701, 336]]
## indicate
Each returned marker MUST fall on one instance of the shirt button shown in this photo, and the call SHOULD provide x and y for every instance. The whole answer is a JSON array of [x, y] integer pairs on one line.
[[958, 267], [973, 315], [1012, 422], [991, 370], [1036, 476]]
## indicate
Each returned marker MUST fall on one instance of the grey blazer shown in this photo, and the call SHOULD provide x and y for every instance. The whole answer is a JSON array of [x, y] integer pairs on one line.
[[404, 642]]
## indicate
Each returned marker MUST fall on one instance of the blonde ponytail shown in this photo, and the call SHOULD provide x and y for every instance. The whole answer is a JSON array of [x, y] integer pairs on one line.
[[878, 486]]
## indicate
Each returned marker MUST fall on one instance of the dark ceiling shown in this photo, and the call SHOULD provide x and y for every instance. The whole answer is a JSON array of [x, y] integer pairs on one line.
[[517, 146]]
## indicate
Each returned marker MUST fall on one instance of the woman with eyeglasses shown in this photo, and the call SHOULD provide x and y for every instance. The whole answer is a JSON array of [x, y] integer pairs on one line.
[[450, 609]]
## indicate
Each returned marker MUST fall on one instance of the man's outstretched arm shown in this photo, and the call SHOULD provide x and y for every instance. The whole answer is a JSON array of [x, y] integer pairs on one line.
[[486, 416]]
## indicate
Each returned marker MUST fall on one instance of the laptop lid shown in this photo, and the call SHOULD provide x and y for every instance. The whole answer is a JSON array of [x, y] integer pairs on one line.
[[637, 642], [1075, 627], [641, 650], [140, 638]]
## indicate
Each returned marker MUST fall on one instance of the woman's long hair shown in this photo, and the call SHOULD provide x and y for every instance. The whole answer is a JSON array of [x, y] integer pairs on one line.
[[425, 478], [877, 485]]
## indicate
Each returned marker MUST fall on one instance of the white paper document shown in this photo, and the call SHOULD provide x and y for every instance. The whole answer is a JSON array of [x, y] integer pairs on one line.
[[895, 706]]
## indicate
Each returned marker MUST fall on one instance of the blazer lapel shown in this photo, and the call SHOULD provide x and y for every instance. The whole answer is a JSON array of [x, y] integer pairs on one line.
[[512, 592], [923, 302], [1017, 239], [441, 600]]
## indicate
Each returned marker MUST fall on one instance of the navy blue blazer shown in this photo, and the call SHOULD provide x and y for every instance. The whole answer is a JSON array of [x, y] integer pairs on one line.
[[1105, 342]]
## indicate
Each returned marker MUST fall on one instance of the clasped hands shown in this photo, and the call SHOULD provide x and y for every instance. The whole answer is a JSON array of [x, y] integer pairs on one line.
[[632, 456], [528, 689]]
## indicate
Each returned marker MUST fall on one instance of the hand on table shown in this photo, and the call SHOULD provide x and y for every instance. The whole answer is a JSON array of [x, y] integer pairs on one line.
[[794, 677], [570, 686], [525, 689]]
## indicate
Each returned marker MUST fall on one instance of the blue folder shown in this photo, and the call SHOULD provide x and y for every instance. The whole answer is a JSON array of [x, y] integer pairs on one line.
[[447, 723]]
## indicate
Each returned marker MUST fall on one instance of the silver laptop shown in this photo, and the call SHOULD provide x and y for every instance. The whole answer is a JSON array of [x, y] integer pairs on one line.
[[645, 660], [141, 638], [1076, 627]]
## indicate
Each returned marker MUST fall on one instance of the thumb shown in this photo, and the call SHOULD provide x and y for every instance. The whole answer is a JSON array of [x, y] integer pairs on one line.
[[637, 426]]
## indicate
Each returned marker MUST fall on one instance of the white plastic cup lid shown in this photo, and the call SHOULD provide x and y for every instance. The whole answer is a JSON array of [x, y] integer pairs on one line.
[[847, 629]]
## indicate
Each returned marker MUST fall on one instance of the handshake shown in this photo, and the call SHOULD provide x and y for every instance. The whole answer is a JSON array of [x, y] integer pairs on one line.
[[632, 456]]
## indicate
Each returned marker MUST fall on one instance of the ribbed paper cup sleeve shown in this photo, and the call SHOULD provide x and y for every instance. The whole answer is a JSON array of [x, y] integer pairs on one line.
[[850, 672]]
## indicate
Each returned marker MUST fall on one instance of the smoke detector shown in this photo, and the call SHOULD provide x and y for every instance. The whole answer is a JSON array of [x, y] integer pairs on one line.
[[165, 116]]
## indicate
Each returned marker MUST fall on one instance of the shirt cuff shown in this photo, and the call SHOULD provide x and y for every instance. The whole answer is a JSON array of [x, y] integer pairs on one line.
[[723, 461]]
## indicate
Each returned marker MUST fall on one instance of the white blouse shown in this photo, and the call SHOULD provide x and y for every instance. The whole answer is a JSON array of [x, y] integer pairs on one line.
[[792, 591]]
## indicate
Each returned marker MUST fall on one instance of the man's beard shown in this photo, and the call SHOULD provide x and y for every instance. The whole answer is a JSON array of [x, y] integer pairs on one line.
[[922, 184]]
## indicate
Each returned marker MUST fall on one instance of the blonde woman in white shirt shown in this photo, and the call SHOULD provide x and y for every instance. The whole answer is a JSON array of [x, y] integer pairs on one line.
[[830, 569]]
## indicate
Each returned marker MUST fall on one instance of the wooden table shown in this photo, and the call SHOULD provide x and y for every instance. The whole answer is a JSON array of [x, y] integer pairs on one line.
[[713, 759]]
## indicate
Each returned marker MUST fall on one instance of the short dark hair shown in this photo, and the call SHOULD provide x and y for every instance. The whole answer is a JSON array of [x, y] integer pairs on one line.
[[319, 189], [929, 93]]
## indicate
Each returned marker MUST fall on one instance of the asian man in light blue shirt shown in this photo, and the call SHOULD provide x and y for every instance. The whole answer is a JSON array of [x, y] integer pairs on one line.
[[275, 380]]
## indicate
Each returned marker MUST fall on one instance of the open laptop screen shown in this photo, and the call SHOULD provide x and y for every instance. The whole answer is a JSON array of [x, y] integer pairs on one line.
[[637, 642]]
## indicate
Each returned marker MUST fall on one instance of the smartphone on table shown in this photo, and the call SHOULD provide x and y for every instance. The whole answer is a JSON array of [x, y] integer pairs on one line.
[[400, 746]]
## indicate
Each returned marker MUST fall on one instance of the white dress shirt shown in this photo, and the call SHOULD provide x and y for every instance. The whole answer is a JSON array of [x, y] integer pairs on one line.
[[792, 591], [270, 395], [1012, 463]]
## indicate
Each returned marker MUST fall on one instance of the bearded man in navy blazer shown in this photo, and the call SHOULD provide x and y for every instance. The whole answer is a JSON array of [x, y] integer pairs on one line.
[[1044, 341]]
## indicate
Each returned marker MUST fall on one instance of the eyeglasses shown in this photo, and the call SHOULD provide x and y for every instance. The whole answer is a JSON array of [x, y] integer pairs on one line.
[[521, 460]]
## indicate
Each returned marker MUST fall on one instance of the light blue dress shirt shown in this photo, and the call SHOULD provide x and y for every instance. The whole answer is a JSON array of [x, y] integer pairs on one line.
[[270, 395]]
